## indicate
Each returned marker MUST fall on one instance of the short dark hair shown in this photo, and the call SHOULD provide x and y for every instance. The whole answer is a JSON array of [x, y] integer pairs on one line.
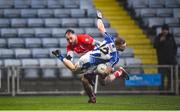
[[119, 41], [69, 31], [165, 27]]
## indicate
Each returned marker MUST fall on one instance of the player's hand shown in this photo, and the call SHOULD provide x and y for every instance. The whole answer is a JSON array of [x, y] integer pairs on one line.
[[56, 52], [99, 14]]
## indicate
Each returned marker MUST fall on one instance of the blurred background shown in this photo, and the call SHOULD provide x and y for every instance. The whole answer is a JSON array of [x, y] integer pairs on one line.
[[31, 29]]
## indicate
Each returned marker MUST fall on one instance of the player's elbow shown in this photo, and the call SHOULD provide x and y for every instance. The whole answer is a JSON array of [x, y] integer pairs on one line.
[[76, 70]]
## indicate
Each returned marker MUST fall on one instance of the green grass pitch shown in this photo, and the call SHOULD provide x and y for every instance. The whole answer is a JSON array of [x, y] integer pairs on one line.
[[118, 102]]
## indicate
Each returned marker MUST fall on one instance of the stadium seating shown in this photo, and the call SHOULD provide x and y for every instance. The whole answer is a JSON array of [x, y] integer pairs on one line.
[[15, 43], [22, 53], [3, 43], [30, 73], [155, 13], [17, 23], [48, 72], [31, 29]]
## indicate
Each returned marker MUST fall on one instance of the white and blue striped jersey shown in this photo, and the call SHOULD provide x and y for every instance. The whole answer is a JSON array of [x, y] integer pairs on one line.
[[105, 52]]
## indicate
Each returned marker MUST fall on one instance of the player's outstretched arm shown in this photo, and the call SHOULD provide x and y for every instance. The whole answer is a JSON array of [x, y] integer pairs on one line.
[[100, 24], [69, 64], [65, 61]]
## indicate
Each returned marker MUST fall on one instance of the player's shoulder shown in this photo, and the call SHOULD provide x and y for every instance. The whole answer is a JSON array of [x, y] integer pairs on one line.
[[83, 37], [108, 37]]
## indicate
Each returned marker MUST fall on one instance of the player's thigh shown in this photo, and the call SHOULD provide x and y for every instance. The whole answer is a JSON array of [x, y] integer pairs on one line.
[[91, 77]]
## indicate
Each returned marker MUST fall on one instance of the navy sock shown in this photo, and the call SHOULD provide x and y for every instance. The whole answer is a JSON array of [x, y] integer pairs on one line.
[[60, 57]]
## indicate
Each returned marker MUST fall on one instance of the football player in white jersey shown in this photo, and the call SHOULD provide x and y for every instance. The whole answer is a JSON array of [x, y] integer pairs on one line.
[[106, 53]]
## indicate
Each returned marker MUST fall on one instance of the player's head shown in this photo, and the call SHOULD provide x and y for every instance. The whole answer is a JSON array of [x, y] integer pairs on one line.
[[120, 44], [165, 29], [71, 36]]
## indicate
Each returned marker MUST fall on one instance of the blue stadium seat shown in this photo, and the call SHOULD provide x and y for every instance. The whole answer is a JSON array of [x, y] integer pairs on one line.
[[12, 62], [177, 40], [59, 63], [24, 32], [91, 13], [65, 73], [38, 3], [40, 53], [6, 3], [45, 13], [1, 13], [55, 4], [78, 30], [30, 62], [69, 22], [86, 22], [71, 3], [4, 23], [35, 23], [48, 72], [6, 53], [164, 12], [15, 43], [63, 42], [22, 53], [8, 32], [62, 13], [112, 32], [171, 4], [29, 13], [156, 3], [176, 32], [1, 65], [148, 12], [140, 3], [16, 23], [58, 32], [42, 32], [128, 52], [50, 42], [12, 13], [86, 4], [172, 22], [176, 12], [134, 62], [30, 73], [53, 22], [33, 42], [137, 12], [77, 13], [155, 22], [3, 43], [94, 32], [22, 3]]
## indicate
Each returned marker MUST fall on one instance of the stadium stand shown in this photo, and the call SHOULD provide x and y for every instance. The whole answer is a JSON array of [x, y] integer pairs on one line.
[[31, 29], [155, 13]]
